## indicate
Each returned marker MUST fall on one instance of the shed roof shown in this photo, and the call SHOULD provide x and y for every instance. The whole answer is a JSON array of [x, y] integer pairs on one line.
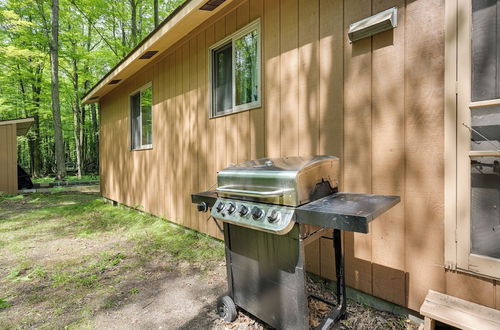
[[183, 20], [22, 124]]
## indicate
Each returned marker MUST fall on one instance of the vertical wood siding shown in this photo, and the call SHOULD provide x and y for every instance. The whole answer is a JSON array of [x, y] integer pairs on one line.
[[377, 103], [8, 159]]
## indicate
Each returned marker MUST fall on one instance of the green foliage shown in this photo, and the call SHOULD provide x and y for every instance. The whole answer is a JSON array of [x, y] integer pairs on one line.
[[94, 36], [71, 178], [4, 303]]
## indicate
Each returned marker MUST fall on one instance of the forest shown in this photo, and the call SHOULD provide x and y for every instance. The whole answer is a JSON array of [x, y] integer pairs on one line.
[[51, 53]]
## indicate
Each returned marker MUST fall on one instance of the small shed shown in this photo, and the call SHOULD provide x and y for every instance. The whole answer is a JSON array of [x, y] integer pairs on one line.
[[9, 131]]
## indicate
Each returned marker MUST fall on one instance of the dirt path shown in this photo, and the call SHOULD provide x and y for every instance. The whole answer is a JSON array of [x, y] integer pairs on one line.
[[179, 301], [71, 260]]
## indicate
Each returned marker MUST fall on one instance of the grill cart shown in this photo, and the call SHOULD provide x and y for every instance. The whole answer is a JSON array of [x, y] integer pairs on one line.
[[267, 207]]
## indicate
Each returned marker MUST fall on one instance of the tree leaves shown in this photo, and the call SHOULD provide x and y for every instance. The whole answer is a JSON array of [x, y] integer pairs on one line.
[[94, 34]]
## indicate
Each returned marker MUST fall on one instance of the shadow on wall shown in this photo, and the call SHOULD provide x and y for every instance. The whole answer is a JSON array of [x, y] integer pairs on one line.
[[378, 104]]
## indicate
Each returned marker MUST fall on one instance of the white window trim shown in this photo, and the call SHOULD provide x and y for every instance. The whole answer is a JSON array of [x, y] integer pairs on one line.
[[458, 103], [138, 90], [253, 26]]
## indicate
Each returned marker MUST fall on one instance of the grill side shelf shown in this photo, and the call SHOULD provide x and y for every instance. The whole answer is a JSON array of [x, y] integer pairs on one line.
[[208, 197], [345, 211]]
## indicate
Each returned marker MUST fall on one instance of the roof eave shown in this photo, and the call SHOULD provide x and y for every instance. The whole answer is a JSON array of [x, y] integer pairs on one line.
[[181, 22], [22, 125]]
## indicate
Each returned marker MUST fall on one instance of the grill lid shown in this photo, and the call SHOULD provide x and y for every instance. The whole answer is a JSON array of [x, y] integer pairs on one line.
[[286, 181]]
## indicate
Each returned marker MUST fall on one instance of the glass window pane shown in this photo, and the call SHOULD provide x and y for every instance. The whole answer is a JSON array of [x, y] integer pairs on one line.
[[485, 206], [147, 123], [135, 120], [486, 128], [222, 79], [485, 50], [246, 79]]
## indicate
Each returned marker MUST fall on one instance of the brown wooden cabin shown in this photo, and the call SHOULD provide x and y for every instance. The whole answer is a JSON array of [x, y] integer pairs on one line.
[[9, 131], [396, 108]]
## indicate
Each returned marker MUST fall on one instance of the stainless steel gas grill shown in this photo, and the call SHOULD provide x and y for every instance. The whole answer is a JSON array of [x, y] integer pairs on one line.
[[265, 205]]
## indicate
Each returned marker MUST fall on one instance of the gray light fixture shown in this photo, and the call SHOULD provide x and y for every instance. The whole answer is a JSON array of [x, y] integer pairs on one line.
[[383, 21]]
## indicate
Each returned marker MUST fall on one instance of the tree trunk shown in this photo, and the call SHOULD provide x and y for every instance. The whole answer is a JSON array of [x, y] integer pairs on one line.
[[156, 13], [56, 110], [139, 32], [83, 138], [77, 130], [95, 129], [124, 38], [133, 22], [90, 140], [30, 136], [36, 88]]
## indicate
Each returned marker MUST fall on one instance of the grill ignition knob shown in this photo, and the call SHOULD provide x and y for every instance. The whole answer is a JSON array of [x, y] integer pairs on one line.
[[243, 210], [202, 207], [272, 216], [220, 207], [256, 213], [231, 208]]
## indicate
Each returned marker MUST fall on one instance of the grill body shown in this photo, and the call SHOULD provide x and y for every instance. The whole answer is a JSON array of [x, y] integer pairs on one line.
[[265, 205], [266, 275]]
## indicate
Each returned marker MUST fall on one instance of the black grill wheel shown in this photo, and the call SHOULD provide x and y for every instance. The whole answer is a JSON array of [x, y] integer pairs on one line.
[[227, 309]]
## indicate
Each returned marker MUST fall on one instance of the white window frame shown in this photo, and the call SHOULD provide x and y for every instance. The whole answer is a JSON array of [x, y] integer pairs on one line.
[[142, 146], [458, 105], [253, 26]]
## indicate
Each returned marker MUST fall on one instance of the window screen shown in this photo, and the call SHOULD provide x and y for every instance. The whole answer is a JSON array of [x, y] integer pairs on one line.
[[222, 79], [485, 206], [485, 183], [485, 133], [141, 118], [485, 50]]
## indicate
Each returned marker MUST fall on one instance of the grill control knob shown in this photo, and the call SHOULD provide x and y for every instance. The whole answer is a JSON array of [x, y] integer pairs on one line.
[[272, 216], [202, 207], [256, 213], [220, 207], [243, 210], [231, 207]]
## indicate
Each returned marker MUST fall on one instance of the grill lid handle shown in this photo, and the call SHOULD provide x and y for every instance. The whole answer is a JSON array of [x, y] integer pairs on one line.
[[252, 193]]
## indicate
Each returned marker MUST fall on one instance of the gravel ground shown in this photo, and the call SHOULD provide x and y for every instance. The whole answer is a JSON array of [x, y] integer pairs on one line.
[[359, 316]]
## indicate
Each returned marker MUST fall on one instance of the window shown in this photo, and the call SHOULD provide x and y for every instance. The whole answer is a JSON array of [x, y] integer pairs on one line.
[[235, 72], [141, 106], [475, 220], [485, 130]]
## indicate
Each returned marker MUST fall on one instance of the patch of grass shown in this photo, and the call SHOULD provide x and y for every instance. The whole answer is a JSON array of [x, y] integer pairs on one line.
[[94, 277], [87, 274], [24, 271], [38, 272], [133, 291], [68, 178], [181, 244], [55, 190], [20, 271], [4, 303], [7, 197]]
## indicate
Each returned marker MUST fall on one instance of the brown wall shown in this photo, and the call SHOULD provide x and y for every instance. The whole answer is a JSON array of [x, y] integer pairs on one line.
[[377, 103], [8, 159]]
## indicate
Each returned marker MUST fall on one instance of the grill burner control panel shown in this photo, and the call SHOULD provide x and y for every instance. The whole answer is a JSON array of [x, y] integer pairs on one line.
[[271, 218]]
